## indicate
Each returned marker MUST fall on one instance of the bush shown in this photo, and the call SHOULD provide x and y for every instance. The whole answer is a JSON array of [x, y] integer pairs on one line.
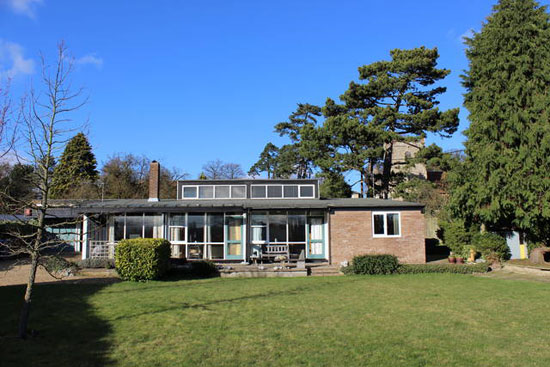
[[373, 264], [492, 246], [455, 235], [142, 258], [442, 268], [97, 263], [203, 269], [58, 265]]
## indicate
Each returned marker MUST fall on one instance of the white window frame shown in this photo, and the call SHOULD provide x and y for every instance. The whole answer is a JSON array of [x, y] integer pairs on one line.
[[214, 192], [385, 214], [183, 191], [283, 191]]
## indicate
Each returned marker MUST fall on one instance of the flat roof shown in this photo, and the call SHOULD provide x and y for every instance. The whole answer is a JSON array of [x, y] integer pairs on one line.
[[135, 205]]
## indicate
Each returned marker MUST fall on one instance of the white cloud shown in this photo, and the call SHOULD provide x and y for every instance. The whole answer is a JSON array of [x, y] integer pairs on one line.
[[90, 59], [12, 60], [23, 7]]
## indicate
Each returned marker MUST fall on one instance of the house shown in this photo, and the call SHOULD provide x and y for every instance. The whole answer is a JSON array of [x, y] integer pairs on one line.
[[255, 219]]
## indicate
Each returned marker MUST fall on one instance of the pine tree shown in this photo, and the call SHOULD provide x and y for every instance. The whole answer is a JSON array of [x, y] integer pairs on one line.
[[505, 179], [395, 101], [77, 167]]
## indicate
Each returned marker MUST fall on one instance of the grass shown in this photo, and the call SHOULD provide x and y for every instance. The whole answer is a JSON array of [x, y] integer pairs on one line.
[[399, 320]]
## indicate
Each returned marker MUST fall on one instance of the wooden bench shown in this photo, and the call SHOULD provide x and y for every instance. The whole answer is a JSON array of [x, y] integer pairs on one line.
[[272, 251]]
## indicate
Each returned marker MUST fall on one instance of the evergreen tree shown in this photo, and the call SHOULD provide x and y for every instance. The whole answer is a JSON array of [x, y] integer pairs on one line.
[[300, 165], [504, 181], [76, 167], [334, 185], [267, 162]]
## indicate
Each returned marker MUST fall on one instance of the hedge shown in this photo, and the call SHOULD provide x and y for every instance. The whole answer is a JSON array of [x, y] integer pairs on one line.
[[443, 268], [142, 258], [388, 264], [373, 264]]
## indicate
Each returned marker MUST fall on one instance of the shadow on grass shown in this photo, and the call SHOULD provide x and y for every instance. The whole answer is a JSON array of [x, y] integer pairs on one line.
[[65, 329], [205, 306]]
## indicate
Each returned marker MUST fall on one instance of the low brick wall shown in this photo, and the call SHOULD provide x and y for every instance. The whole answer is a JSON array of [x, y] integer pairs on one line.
[[351, 234]]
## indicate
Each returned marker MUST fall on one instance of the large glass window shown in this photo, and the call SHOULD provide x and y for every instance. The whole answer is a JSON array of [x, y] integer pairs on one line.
[[152, 226], [222, 192], [291, 191], [258, 225], [258, 191], [238, 192], [277, 227], [306, 191], [274, 191], [189, 192], [195, 227], [386, 224], [296, 227], [119, 227], [134, 226], [177, 227], [206, 192], [215, 228]]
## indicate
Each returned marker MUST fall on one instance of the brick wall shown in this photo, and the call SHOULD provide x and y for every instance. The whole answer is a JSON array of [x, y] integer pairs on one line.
[[351, 235]]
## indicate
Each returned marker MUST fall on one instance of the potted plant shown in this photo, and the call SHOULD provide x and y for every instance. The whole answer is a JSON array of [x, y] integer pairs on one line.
[[452, 258]]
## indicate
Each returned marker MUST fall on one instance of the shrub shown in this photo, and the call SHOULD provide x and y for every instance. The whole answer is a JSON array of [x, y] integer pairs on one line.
[[142, 258], [492, 246], [203, 268], [58, 265], [97, 263], [442, 268], [455, 235], [372, 264]]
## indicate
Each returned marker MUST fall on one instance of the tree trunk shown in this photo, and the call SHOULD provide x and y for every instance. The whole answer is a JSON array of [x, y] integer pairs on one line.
[[25, 310], [386, 175], [362, 184]]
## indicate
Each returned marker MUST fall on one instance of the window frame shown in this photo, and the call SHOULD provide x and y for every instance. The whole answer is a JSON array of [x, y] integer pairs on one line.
[[283, 191], [385, 234], [197, 196]]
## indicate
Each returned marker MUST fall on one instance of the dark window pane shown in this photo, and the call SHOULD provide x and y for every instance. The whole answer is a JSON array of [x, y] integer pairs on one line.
[[238, 192], [274, 192], [215, 227], [190, 192], [277, 228], [378, 223], [291, 191], [222, 192], [134, 226], [195, 228], [306, 191], [206, 192], [119, 228], [296, 228], [152, 226], [393, 224], [258, 191]]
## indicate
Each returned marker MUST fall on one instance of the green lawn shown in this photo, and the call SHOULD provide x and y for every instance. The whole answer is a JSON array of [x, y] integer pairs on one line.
[[400, 320]]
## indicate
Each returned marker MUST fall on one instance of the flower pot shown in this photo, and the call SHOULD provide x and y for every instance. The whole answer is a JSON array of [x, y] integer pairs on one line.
[[460, 260], [452, 259]]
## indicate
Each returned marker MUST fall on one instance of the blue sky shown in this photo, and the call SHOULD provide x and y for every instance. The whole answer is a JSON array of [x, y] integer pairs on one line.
[[185, 82]]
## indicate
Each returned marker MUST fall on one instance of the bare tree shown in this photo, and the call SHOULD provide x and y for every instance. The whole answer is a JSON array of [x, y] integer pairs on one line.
[[233, 170], [7, 120], [46, 127], [216, 170]]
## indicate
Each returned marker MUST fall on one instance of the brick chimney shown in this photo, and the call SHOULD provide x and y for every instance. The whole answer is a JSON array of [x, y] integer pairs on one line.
[[154, 181]]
